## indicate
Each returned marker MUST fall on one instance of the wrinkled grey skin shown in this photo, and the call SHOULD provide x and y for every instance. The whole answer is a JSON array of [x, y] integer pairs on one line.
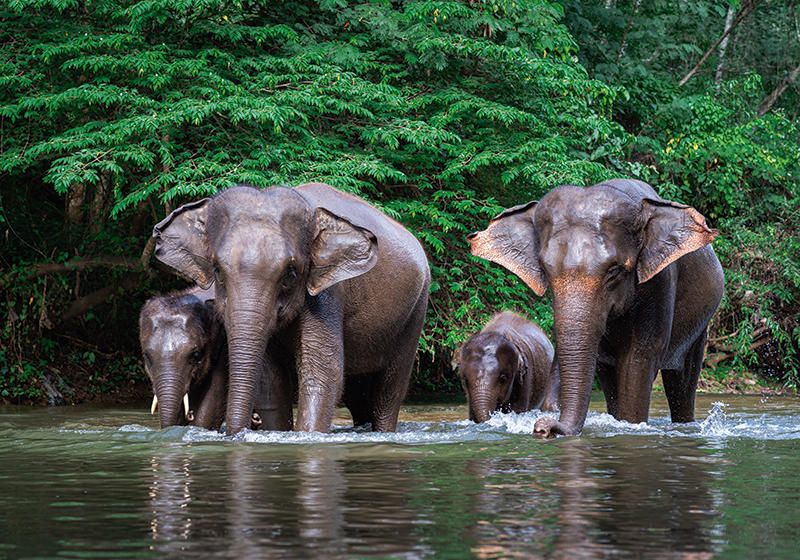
[[507, 367], [310, 281], [634, 284], [184, 350]]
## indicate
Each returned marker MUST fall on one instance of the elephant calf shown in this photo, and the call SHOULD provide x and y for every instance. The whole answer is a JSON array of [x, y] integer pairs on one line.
[[185, 355], [507, 367]]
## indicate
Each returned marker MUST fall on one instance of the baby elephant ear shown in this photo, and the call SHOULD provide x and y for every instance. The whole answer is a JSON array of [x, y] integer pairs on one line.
[[182, 242], [512, 240], [340, 250], [671, 231]]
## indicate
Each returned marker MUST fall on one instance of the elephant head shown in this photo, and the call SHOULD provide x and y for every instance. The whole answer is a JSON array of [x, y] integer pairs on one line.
[[181, 343], [597, 249], [267, 250], [491, 368]]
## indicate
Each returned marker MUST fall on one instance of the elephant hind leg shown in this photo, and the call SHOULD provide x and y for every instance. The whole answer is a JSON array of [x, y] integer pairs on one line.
[[389, 389], [391, 385], [681, 385]]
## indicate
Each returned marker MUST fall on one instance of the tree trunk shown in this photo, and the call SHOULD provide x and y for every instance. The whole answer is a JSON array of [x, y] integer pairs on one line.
[[723, 46], [76, 198], [98, 211]]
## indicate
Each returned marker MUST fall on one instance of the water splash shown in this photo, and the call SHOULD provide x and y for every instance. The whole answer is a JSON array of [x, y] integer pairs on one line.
[[716, 423], [754, 418]]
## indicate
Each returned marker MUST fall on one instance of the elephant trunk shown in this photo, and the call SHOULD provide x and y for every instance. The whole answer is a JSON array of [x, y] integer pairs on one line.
[[170, 403], [577, 331], [482, 404], [248, 331]]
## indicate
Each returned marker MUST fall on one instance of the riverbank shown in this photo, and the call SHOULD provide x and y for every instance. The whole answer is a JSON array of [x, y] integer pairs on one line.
[[55, 390], [745, 383]]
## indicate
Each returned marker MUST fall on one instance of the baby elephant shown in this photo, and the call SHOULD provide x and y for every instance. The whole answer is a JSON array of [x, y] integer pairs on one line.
[[186, 356], [507, 366]]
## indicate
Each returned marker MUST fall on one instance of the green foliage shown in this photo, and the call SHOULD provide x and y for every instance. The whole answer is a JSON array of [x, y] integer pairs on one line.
[[751, 168], [441, 112], [758, 319]]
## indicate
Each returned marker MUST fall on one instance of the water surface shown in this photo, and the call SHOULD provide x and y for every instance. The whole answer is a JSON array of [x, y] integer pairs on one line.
[[105, 482]]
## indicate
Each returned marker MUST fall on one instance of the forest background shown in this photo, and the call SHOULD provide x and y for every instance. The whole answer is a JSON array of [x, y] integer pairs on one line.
[[441, 113]]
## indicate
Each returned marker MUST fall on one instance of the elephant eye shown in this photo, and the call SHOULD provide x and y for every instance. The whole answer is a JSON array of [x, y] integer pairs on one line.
[[613, 272], [503, 377], [289, 276], [217, 274], [195, 357]]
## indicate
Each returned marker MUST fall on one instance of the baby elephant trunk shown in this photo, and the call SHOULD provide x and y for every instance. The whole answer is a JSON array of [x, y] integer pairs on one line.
[[483, 403], [173, 408]]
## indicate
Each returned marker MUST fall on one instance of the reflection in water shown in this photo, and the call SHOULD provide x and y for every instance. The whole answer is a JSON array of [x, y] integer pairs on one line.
[[580, 499], [108, 485], [631, 499], [321, 499], [170, 496], [316, 504], [258, 514]]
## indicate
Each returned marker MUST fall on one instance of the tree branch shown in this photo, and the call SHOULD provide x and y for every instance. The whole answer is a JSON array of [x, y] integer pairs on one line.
[[766, 105], [722, 357], [743, 13], [84, 304], [628, 28], [80, 263]]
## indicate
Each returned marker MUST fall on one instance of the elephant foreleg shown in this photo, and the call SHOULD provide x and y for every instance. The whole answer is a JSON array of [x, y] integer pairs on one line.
[[320, 366]]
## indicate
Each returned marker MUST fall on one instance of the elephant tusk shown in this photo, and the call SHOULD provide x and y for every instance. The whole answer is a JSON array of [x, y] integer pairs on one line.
[[186, 403], [154, 405]]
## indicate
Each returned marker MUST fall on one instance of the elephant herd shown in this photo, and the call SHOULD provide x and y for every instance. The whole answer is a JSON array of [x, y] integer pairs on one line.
[[309, 294]]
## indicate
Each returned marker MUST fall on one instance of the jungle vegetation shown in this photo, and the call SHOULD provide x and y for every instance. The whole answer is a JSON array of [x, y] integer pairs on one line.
[[441, 113]]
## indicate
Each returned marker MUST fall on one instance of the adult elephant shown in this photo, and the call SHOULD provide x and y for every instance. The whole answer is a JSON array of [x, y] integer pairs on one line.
[[311, 281], [634, 284]]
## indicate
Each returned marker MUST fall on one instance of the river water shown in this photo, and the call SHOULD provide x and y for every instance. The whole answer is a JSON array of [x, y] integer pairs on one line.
[[104, 482]]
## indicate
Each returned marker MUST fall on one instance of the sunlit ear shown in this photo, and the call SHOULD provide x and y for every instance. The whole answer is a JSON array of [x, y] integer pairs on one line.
[[340, 250], [182, 242], [671, 231], [512, 240]]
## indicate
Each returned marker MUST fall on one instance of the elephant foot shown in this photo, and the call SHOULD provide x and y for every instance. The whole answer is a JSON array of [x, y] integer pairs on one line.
[[549, 427]]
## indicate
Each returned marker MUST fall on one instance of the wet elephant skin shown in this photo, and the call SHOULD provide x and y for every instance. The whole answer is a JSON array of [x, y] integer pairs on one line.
[[337, 287], [634, 283], [507, 367], [185, 353]]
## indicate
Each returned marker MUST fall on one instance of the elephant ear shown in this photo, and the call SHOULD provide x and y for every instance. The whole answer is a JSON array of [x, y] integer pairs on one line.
[[512, 240], [671, 231], [182, 242], [340, 250]]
